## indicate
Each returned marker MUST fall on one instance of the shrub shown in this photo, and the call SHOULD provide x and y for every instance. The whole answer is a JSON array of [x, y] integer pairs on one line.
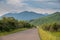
[[51, 27]]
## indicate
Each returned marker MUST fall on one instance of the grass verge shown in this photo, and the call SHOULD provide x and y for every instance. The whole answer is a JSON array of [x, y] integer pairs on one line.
[[14, 31], [47, 35]]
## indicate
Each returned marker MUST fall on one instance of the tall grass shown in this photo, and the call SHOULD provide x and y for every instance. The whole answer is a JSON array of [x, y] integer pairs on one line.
[[46, 35]]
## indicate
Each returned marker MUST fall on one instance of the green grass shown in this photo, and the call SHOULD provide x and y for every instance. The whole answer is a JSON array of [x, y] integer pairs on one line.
[[14, 31], [56, 34], [45, 35]]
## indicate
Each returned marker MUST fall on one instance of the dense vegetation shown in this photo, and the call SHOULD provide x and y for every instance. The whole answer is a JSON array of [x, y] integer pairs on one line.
[[53, 27], [50, 31], [9, 23]]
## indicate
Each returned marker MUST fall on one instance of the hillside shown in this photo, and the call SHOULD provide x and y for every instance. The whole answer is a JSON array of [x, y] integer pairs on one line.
[[26, 15], [55, 17]]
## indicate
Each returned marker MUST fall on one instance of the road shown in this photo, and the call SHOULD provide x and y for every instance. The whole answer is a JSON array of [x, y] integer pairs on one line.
[[30, 34]]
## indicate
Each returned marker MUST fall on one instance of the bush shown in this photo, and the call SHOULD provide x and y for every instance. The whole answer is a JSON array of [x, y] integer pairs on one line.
[[51, 27]]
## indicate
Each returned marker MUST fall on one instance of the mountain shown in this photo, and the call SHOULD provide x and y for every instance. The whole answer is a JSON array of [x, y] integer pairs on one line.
[[24, 15], [55, 17]]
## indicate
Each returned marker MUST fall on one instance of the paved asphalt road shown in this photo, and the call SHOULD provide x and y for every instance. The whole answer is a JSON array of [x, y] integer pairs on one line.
[[30, 34]]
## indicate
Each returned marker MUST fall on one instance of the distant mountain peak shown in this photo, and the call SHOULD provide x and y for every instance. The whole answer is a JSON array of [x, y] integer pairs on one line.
[[56, 13], [25, 15]]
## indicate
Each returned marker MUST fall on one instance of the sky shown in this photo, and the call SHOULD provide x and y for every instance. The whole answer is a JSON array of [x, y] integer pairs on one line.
[[38, 6]]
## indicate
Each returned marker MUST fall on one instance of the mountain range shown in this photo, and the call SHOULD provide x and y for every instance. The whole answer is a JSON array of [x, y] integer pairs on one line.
[[26, 15]]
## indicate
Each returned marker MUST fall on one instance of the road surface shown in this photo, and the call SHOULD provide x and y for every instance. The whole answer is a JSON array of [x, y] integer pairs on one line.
[[30, 34]]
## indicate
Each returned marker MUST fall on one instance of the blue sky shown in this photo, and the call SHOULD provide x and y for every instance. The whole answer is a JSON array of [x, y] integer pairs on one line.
[[39, 6]]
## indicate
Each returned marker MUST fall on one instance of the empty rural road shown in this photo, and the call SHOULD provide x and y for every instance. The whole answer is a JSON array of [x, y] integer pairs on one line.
[[30, 34]]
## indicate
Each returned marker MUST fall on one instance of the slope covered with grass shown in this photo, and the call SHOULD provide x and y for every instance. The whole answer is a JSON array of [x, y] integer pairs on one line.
[[55, 17]]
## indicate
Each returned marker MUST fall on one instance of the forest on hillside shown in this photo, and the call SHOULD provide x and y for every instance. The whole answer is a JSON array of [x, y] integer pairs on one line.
[[9, 23]]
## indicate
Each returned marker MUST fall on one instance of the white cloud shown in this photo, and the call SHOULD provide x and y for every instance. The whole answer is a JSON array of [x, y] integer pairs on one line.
[[45, 0], [11, 6], [13, 1], [43, 11]]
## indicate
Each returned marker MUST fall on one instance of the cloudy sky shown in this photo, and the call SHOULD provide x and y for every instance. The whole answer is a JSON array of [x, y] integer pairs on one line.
[[39, 6]]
